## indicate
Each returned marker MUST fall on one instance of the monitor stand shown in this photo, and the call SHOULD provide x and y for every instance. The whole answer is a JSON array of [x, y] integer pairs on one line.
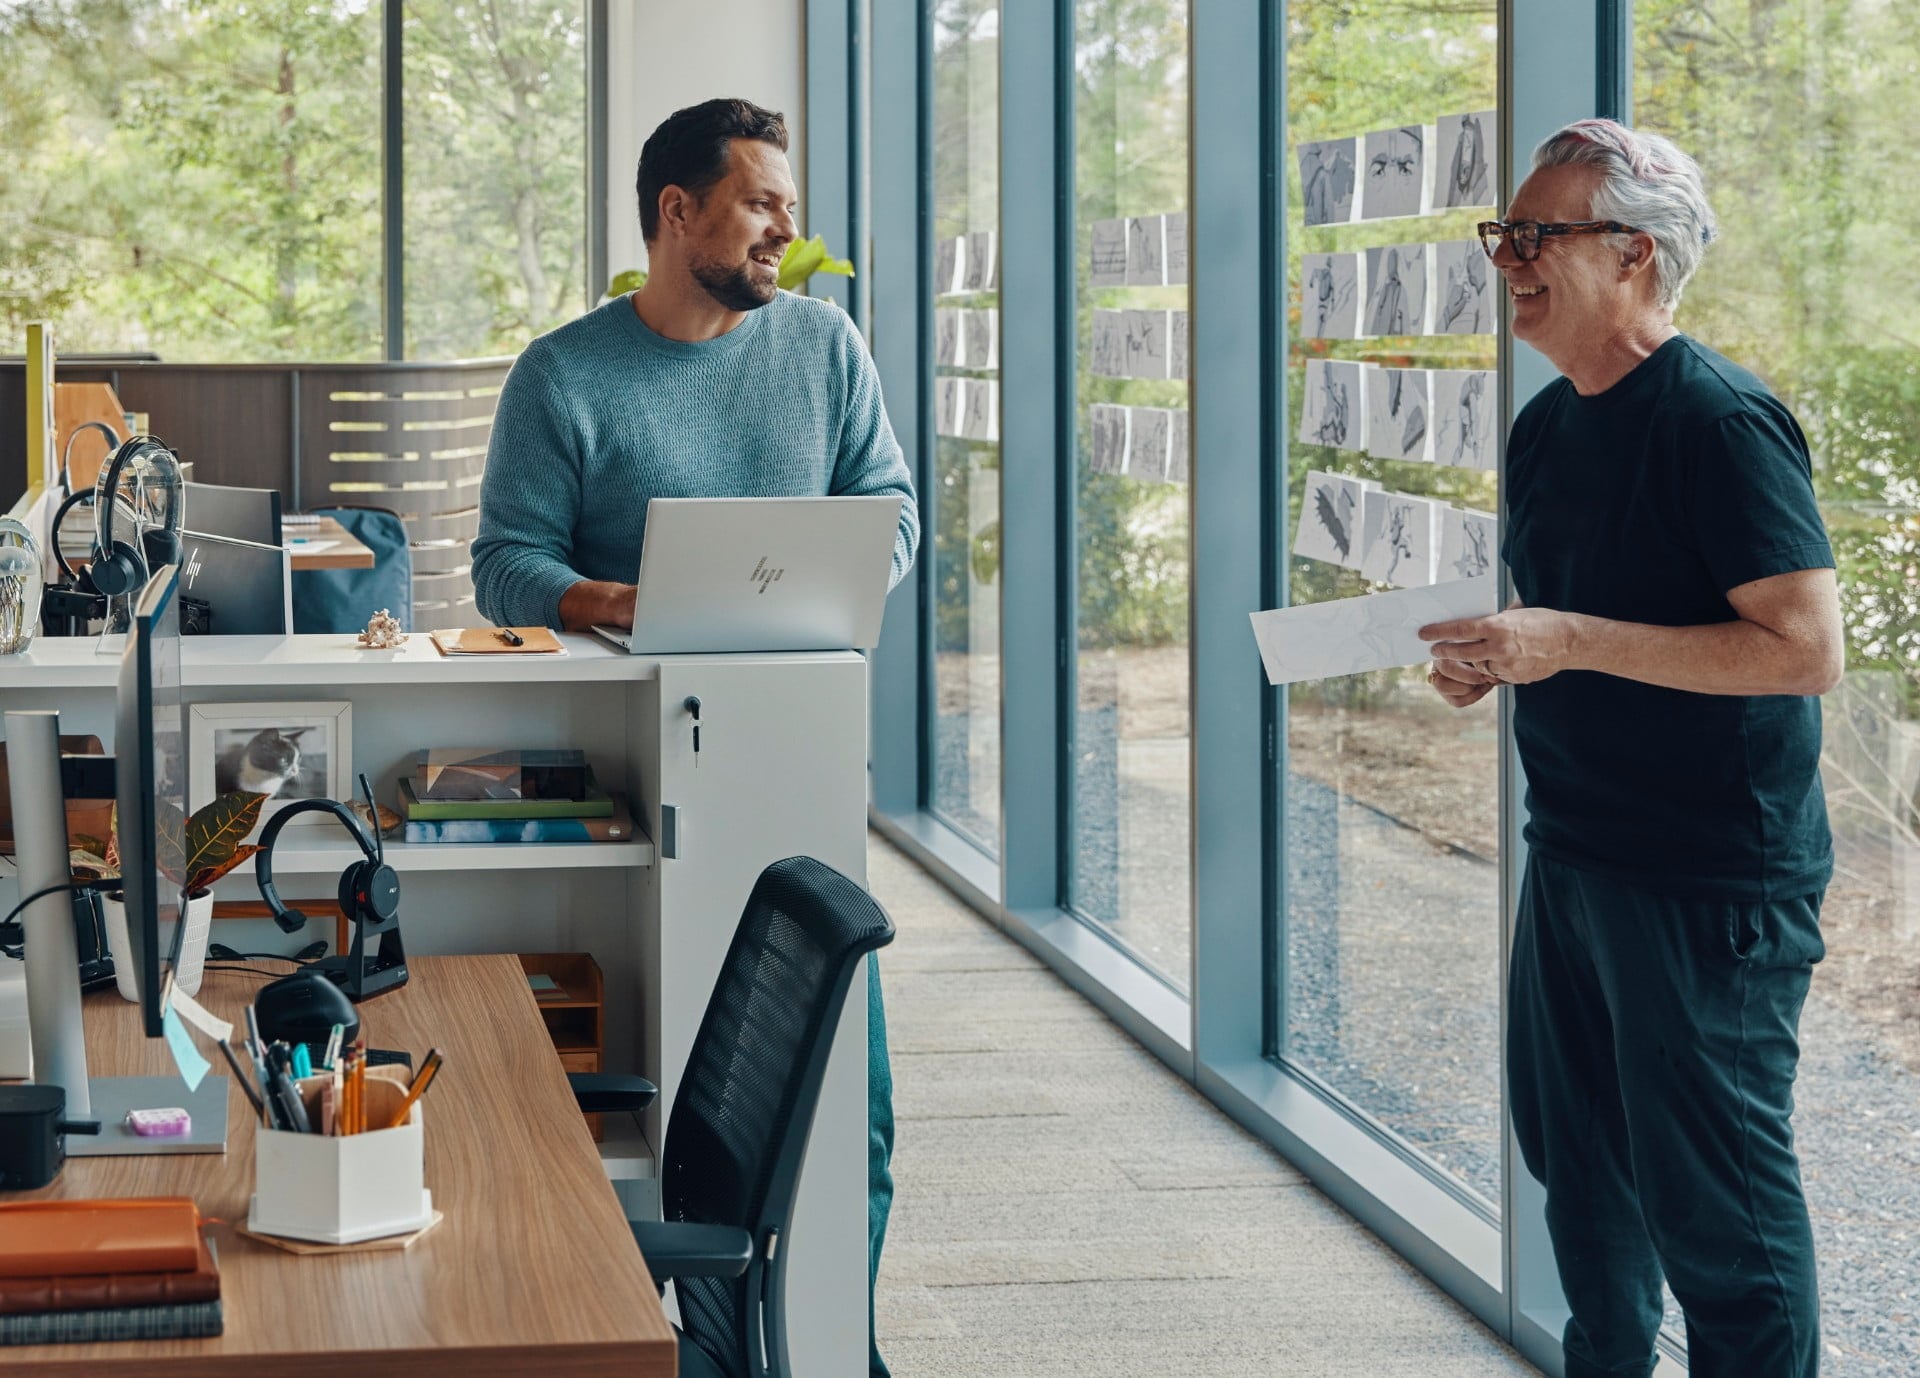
[[53, 971]]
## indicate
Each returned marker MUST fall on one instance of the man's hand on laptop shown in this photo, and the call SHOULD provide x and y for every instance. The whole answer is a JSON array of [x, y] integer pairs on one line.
[[592, 603]]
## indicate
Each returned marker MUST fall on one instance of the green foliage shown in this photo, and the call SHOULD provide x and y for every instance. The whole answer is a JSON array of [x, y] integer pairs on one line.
[[209, 843]]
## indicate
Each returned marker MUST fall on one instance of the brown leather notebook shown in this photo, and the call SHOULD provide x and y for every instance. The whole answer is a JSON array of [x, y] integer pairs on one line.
[[153, 1234], [492, 641], [96, 1292]]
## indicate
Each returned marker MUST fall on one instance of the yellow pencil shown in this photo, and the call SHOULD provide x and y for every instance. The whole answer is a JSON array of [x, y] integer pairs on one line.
[[429, 1065]]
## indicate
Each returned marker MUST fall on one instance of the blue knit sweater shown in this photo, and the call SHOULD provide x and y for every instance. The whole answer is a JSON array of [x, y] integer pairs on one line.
[[602, 414]]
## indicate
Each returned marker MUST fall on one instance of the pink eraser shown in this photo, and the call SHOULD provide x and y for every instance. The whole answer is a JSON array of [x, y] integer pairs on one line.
[[168, 1123]]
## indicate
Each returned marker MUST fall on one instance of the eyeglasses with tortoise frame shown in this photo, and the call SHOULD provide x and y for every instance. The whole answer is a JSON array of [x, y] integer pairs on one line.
[[1526, 236]]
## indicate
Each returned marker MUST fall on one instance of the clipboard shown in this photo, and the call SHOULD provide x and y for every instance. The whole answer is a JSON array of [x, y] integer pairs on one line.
[[486, 641]]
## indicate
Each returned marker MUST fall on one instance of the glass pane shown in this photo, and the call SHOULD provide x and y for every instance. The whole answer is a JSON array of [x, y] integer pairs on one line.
[[495, 168], [201, 181], [1392, 798], [1800, 116], [1129, 866], [965, 500]]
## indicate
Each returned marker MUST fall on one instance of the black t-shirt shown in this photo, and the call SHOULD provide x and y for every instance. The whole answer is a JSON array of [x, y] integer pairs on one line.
[[1646, 503]]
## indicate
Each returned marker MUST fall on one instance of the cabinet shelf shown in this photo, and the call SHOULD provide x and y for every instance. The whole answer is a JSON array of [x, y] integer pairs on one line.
[[325, 854]]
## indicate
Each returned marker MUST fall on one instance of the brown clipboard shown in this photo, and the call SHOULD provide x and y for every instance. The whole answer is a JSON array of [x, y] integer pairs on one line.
[[488, 641]]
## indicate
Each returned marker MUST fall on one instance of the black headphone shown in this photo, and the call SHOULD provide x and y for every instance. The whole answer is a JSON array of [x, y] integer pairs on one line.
[[120, 567], [369, 890]]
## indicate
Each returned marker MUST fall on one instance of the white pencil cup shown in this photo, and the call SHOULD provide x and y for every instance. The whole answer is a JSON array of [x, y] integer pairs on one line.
[[342, 1189]]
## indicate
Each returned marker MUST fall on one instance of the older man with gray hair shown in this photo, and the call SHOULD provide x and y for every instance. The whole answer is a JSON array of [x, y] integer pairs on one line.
[[1676, 619]]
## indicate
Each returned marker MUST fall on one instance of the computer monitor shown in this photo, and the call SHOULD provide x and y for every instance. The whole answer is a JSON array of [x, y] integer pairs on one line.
[[150, 780], [245, 514], [247, 586]]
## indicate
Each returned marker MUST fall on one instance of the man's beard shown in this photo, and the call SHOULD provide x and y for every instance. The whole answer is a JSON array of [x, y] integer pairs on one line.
[[738, 288]]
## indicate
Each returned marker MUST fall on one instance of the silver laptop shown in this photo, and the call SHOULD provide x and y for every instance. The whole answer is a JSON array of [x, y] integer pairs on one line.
[[761, 574]]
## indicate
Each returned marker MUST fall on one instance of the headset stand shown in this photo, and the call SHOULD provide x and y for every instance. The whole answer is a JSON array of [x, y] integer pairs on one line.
[[361, 976]]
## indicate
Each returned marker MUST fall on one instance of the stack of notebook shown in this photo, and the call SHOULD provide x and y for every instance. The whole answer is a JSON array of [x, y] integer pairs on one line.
[[79, 1272], [509, 796]]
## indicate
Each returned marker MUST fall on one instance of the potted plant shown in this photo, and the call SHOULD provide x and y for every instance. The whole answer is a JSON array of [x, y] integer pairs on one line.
[[211, 846], [802, 259]]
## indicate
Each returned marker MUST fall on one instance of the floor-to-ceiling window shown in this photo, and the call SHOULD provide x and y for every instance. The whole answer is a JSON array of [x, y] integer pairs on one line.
[[1392, 826], [1800, 116], [1128, 868], [963, 497]]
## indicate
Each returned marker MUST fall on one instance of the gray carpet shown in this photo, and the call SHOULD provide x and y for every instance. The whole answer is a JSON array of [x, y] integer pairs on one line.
[[1067, 1206]]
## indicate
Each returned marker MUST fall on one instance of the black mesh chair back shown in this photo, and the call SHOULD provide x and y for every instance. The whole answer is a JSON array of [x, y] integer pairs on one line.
[[739, 1127]]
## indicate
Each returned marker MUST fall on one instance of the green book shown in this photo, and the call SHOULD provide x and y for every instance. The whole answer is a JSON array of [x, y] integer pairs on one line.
[[597, 804]]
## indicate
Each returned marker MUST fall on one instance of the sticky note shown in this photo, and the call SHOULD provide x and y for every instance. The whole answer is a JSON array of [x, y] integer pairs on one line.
[[191, 1010], [192, 1066]]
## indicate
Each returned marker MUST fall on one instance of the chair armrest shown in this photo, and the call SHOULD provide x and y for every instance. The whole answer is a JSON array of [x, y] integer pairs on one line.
[[681, 1249], [600, 1092]]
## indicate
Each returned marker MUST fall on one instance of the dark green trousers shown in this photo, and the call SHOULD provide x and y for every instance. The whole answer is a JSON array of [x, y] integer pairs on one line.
[[879, 1149], [1652, 1043]]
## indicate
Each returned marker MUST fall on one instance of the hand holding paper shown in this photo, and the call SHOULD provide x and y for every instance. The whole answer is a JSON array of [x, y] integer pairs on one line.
[[1374, 632]]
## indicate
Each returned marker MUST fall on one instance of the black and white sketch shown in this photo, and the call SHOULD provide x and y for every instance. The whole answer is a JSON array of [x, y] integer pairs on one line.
[[948, 342], [1107, 436], [1147, 344], [1397, 296], [1109, 249], [1330, 512], [980, 330], [1330, 296], [1344, 636], [1333, 412], [1463, 407], [946, 267], [1108, 357], [1393, 175], [1149, 440], [1177, 344], [1147, 251], [1401, 536], [1464, 161], [1463, 303], [980, 410], [1468, 543], [947, 402], [1177, 249], [1328, 180], [1399, 404], [286, 751], [1179, 450], [982, 270]]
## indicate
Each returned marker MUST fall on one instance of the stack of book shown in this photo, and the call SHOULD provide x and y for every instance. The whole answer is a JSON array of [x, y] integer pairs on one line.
[[108, 1292], [466, 795]]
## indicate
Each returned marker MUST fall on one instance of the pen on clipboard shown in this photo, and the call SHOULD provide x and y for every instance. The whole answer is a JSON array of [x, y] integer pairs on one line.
[[511, 637]]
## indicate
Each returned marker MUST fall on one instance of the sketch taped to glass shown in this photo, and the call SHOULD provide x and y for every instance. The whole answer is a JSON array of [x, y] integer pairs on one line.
[[981, 333], [1332, 413], [1177, 344], [1327, 181], [1330, 512], [1468, 543], [1399, 403], [1107, 437], [1179, 450], [1394, 175], [946, 267], [1397, 296], [1146, 251], [946, 405], [1146, 344], [1109, 250], [1464, 304], [1108, 356], [946, 337], [1149, 439], [1463, 407], [1330, 296], [982, 270], [1400, 538], [1463, 168], [1177, 249], [980, 410]]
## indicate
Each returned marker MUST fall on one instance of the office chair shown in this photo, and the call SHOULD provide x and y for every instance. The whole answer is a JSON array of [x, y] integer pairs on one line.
[[739, 1128], [341, 600]]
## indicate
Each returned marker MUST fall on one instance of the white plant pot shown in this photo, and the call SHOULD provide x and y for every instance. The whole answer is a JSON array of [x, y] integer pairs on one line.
[[193, 946]]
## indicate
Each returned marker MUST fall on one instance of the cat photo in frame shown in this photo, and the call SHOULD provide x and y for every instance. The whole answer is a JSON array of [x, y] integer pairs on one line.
[[286, 751]]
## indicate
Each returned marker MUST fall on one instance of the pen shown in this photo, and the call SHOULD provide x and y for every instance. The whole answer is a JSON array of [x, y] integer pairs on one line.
[[511, 637], [242, 1076], [302, 1062], [422, 1079], [333, 1045]]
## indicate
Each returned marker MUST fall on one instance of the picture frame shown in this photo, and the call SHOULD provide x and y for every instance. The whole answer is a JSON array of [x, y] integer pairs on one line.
[[289, 750]]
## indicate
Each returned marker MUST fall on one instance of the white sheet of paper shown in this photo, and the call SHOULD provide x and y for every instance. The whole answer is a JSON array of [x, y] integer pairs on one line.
[[1109, 346], [1146, 251], [1147, 343], [981, 331], [1402, 535], [1399, 413], [947, 338], [1180, 450], [1107, 432], [1109, 254], [1373, 632], [1177, 344], [1149, 441], [1329, 175], [1330, 292], [980, 410], [946, 266], [1397, 294], [1462, 292], [947, 402], [982, 271], [1177, 249], [1334, 412], [1393, 172], [1465, 155]]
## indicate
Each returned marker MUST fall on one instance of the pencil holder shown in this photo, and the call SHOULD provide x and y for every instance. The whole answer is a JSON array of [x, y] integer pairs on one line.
[[341, 1189]]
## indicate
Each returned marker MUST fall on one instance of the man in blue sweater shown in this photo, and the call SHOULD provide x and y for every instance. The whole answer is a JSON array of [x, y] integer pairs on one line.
[[707, 382]]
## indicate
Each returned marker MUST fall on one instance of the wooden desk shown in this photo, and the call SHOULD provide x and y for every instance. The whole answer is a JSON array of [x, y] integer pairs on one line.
[[533, 1271], [346, 552]]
